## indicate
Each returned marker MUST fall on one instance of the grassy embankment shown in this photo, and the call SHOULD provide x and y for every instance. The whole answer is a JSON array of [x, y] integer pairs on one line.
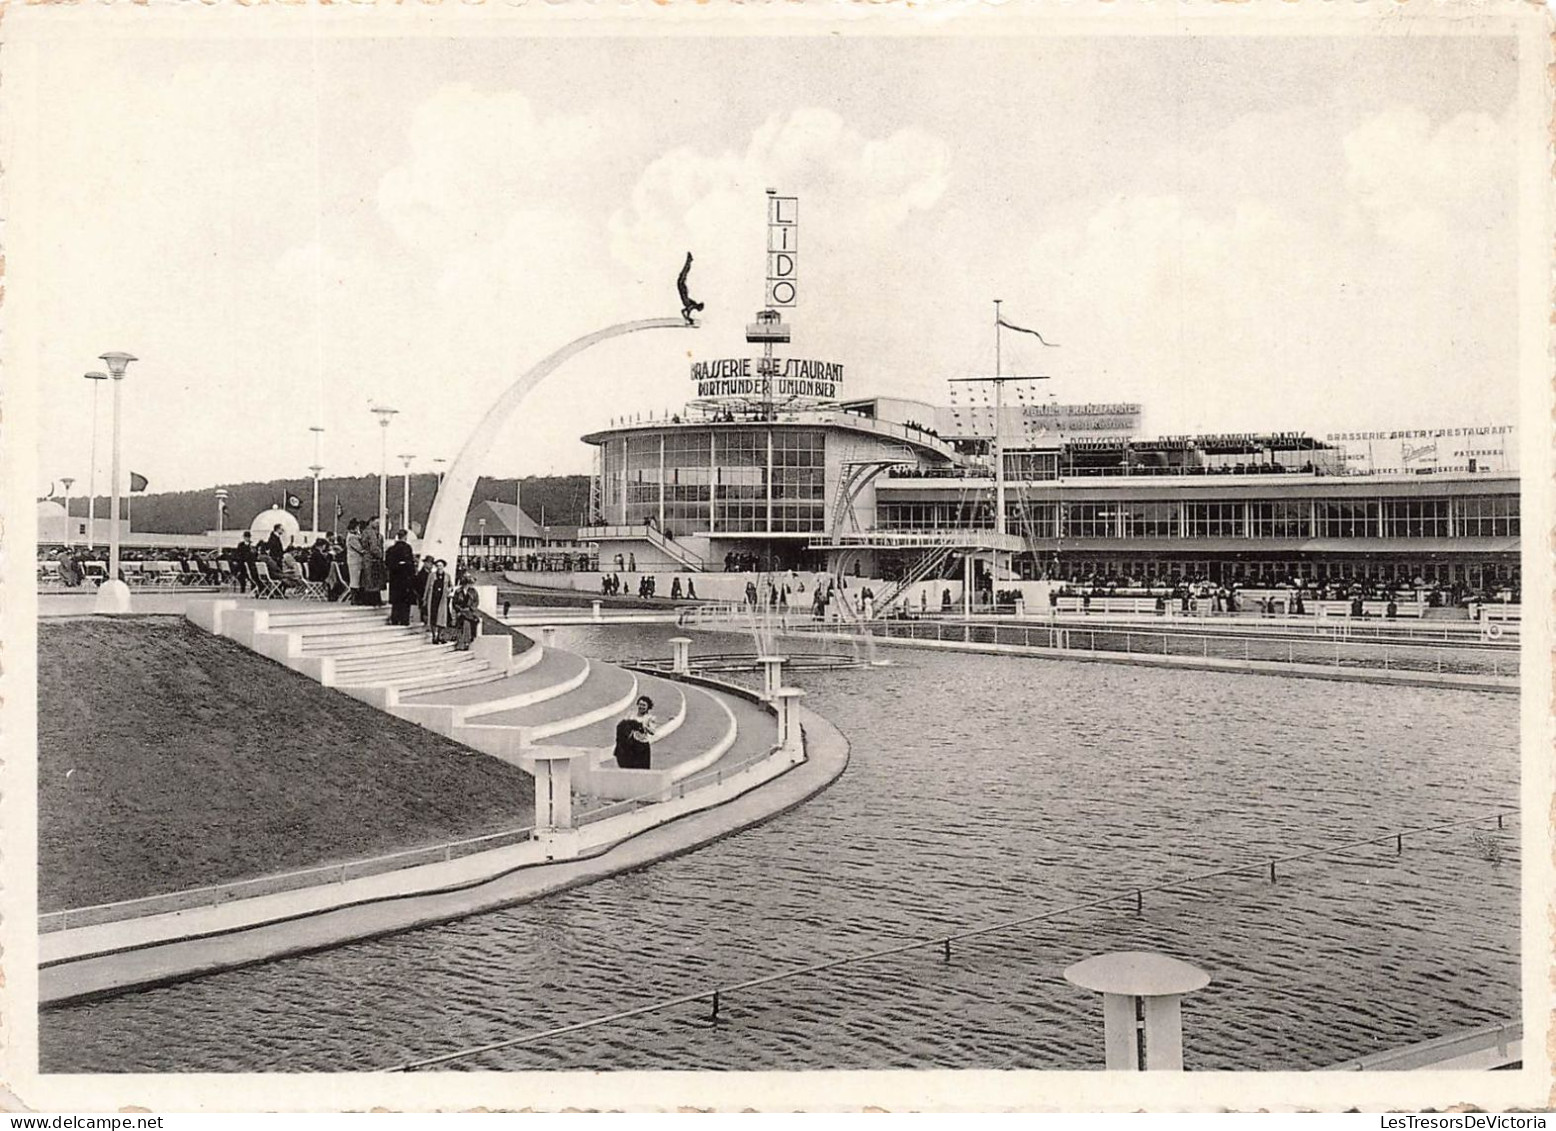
[[170, 759]]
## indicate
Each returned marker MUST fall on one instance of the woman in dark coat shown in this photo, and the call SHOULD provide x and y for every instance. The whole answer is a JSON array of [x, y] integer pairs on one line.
[[633, 734], [372, 563], [464, 605], [400, 561]]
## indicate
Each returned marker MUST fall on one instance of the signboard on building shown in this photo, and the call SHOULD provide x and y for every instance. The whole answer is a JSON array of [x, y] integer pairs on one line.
[[740, 378], [1043, 423], [1423, 451], [783, 250]]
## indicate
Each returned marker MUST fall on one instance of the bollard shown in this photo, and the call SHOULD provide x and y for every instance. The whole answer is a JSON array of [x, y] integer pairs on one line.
[[596, 605], [1021, 608], [772, 674], [681, 656], [1142, 994], [548, 636], [788, 700]]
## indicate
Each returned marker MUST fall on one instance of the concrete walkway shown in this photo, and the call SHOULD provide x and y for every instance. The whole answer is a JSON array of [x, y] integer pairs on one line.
[[205, 946]]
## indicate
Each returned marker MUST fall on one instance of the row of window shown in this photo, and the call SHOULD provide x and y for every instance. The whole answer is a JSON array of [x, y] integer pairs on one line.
[[702, 481], [1490, 516]]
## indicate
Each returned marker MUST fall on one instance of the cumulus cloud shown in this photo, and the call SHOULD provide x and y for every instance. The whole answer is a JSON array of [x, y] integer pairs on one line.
[[1418, 184], [856, 193]]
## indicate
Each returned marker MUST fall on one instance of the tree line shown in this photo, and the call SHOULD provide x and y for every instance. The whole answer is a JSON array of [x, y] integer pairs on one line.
[[563, 500]]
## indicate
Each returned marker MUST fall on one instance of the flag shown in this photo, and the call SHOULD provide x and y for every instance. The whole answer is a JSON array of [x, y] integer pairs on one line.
[[138, 482], [1024, 330], [339, 510], [293, 502]]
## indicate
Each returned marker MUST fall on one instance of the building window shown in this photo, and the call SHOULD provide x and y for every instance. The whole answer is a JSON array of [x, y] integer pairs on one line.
[[799, 479], [740, 481], [688, 481], [1487, 516], [1150, 520], [1033, 520], [1090, 520], [1415, 518], [1347, 518], [1284, 518], [934, 516], [1213, 520], [1024, 467], [642, 477]]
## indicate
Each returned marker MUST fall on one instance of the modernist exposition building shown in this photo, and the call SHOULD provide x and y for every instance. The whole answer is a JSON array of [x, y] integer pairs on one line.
[[899, 487]]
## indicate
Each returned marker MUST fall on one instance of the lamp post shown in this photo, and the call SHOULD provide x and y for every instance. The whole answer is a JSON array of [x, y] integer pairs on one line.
[[221, 509], [113, 596], [316, 467], [91, 500], [405, 512], [68, 482], [385, 415]]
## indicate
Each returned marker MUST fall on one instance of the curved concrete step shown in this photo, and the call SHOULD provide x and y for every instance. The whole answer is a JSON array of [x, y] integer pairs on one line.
[[555, 673], [320, 644], [407, 646], [445, 682], [669, 709], [389, 661], [314, 616], [607, 689], [403, 677], [708, 731]]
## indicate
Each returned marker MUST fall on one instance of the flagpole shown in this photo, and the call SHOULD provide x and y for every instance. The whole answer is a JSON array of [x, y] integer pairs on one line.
[[999, 453]]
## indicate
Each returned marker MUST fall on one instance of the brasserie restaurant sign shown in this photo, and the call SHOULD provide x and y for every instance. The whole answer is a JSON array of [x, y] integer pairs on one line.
[[792, 377]]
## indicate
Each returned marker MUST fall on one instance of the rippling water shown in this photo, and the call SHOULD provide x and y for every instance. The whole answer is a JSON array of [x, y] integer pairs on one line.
[[980, 788]]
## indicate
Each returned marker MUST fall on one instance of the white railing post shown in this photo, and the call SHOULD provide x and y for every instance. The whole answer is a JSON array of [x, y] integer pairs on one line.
[[788, 701], [1142, 1017], [681, 655], [554, 799], [772, 674]]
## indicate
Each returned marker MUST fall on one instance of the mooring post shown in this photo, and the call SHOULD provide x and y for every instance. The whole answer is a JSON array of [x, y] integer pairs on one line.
[[548, 636], [595, 604], [1142, 1014], [681, 655]]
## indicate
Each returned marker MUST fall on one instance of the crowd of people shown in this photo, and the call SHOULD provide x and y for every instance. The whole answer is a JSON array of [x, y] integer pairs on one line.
[[1224, 596]]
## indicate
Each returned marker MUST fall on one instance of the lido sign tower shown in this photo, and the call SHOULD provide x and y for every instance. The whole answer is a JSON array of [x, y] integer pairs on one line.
[[769, 380]]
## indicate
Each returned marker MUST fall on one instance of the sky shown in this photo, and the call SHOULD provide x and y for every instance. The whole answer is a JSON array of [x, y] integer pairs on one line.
[[1241, 233]]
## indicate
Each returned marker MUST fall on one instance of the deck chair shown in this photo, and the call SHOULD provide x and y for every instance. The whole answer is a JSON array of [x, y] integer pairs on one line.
[[338, 578], [266, 586]]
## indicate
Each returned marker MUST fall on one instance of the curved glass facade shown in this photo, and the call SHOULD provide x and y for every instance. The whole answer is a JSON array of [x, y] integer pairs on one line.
[[741, 480]]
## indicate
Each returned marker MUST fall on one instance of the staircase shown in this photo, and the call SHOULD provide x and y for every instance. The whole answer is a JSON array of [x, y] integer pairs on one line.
[[689, 559], [931, 561], [502, 704]]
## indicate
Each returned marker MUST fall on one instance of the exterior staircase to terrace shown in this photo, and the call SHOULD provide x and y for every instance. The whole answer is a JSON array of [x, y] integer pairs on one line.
[[509, 706]]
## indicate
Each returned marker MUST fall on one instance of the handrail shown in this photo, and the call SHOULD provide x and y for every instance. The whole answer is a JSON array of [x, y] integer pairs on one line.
[[1258, 865]]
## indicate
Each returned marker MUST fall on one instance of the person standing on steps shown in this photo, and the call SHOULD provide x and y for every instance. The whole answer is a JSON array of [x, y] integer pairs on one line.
[[400, 561], [633, 735], [440, 595]]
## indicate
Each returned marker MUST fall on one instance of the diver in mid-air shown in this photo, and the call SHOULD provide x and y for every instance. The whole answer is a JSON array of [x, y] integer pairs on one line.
[[689, 305]]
